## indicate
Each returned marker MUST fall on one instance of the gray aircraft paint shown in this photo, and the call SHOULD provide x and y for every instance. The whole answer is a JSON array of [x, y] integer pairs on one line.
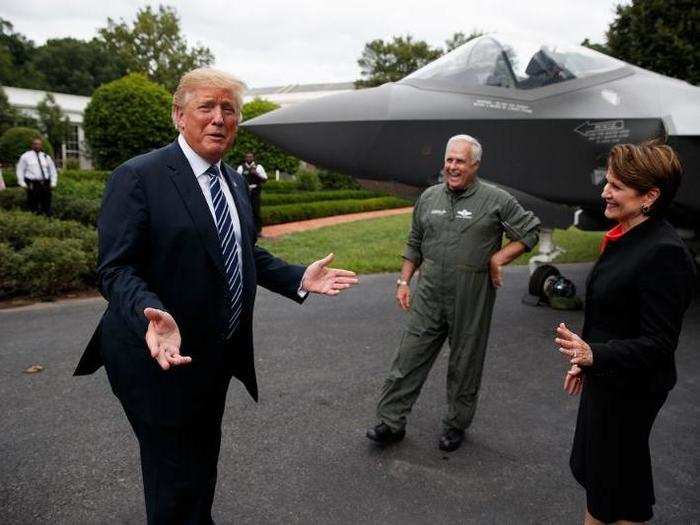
[[547, 142]]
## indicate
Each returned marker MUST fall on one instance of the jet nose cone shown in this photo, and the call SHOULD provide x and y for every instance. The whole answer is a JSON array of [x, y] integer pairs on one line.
[[331, 131]]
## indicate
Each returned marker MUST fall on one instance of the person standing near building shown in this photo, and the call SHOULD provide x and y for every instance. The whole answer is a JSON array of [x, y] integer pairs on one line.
[[37, 173], [456, 241], [255, 176]]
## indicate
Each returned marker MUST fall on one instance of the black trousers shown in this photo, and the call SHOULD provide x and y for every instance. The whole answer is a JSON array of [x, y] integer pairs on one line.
[[255, 198], [39, 197], [179, 466]]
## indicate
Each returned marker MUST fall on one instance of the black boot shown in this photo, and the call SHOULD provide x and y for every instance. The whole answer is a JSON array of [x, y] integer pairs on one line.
[[383, 434]]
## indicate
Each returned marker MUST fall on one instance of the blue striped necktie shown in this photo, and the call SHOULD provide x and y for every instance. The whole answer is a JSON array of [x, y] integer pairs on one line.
[[230, 247]]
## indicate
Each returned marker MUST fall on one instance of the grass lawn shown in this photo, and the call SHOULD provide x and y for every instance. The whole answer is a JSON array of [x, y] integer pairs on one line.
[[376, 245]]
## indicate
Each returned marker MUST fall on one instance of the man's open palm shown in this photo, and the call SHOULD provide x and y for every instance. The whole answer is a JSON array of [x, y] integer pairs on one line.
[[329, 281], [163, 339]]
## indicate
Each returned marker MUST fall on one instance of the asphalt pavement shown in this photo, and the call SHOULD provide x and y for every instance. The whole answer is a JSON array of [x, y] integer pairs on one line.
[[300, 455]]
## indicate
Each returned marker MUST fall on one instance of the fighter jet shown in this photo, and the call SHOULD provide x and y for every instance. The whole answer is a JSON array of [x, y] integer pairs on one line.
[[546, 114]]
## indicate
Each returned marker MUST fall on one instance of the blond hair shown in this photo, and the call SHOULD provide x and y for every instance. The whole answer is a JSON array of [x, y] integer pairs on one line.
[[207, 77]]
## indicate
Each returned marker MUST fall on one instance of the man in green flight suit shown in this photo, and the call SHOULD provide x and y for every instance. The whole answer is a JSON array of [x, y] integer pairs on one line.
[[456, 240]]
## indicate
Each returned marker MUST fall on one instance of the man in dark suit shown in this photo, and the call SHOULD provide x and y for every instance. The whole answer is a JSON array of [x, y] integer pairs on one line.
[[179, 266]]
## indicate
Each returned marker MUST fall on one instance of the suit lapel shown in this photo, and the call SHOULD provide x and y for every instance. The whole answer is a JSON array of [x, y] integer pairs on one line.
[[195, 203]]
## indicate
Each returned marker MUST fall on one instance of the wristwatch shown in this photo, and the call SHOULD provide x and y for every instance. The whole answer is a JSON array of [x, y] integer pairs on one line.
[[401, 282]]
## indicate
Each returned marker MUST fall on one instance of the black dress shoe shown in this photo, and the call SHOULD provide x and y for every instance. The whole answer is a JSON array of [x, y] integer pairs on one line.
[[451, 440], [383, 434]]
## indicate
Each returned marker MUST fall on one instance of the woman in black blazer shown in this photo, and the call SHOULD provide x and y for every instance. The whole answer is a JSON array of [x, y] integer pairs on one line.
[[623, 363]]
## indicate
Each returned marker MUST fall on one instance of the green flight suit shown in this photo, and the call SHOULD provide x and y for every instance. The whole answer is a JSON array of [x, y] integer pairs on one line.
[[453, 236]]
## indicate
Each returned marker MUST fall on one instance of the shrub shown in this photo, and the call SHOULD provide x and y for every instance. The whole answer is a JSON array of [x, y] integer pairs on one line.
[[16, 141], [9, 265], [9, 176], [71, 164], [85, 211], [44, 257], [280, 186], [125, 118], [313, 210], [84, 175], [331, 180], [308, 180], [275, 199], [19, 228], [13, 198], [80, 188], [271, 157], [49, 267]]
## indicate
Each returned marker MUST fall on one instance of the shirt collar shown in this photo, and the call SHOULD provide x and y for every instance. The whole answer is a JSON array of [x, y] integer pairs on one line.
[[467, 192], [198, 164]]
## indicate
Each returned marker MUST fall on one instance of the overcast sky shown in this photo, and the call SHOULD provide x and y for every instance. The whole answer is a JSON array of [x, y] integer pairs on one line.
[[277, 42]]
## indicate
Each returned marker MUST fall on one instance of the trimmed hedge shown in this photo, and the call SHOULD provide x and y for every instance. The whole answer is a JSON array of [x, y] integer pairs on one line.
[[63, 206], [280, 186], [85, 211], [44, 257], [80, 188], [49, 267], [13, 198], [275, 199], [84, 175], [314, 210]]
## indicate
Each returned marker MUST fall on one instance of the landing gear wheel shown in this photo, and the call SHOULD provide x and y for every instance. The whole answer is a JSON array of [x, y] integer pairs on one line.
[[538, 278]]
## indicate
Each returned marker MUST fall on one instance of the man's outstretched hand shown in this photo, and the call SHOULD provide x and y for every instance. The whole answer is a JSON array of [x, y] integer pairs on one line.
[[163, 339], [318, 278]]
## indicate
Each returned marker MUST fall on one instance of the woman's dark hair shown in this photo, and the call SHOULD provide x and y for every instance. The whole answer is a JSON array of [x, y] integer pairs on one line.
[[646, 166]]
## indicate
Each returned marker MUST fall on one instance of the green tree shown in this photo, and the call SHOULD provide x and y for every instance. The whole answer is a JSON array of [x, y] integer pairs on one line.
[[459, 38], [154, 46], [16, 141], [127, 117], [271, 157], [383, 62], [16, 52], [601, 48], [660, 35], [8, 114], [75, 66], [53, 123]]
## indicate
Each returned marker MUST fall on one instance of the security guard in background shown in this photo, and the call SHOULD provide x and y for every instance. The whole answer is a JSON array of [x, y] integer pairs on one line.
[[37, 173], [456, 240], [255, 176]]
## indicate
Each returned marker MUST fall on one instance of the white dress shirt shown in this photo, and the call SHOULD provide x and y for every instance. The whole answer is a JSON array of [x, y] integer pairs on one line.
[[199, 167], [28, 168], [258, 169]]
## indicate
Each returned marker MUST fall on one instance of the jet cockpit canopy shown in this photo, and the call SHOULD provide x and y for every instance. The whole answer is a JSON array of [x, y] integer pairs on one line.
[[513, 62]]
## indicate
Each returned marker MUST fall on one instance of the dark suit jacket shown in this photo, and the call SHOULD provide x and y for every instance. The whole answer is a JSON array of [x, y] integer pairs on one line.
[[636, 296], [158, 247]]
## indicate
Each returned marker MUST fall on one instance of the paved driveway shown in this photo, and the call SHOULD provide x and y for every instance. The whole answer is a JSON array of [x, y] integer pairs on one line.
[[300, 455]]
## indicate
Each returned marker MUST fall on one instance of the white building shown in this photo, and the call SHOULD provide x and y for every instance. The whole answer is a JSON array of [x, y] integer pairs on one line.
[[73, 106]]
